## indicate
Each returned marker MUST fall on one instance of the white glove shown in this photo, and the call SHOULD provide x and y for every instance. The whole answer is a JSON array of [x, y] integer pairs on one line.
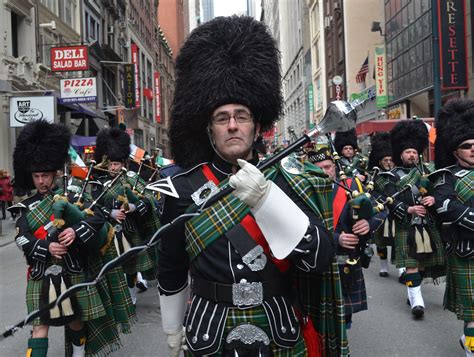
[[131, 207], [248, 183], [117, 214], [176, 341]]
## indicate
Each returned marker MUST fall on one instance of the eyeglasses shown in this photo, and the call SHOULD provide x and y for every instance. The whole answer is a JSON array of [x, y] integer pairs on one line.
[[466, 146], [224, 118]]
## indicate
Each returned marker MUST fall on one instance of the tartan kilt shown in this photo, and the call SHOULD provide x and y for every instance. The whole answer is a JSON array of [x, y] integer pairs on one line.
[[89, 300], [143, 261], [381, 241], [257, 316], [123, 309], [434, 265], [459, 294], [355, 297], [322, 299]]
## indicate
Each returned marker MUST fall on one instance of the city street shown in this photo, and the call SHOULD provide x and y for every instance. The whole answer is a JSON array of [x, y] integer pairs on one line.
[[386, 329]]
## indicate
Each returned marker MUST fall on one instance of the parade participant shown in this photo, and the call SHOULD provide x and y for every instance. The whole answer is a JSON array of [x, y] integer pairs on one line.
[[241, 251], [133, 215], [352, 161], [417, 241], [350, 234], [381, 156], [57, 260], [454, 203]]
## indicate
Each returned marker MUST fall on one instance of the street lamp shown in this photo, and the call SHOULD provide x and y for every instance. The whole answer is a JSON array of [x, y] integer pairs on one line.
[[376, 27]]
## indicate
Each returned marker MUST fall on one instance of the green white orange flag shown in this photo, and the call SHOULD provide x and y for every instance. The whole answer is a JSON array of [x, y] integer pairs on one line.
[[78, 168]]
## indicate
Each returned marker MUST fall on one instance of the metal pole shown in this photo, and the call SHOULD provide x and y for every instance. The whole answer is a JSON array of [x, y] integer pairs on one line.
[[436, 64]]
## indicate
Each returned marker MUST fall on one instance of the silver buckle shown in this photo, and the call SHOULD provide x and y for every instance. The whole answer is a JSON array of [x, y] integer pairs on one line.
[[248, 334], [247, 294], [203, 193], [255, 259]]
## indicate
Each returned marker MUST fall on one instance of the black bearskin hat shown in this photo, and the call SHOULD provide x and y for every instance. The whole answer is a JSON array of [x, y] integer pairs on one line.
[[226, 60], [454, 124], [40, 147], [381, 147], [344, 138], [408, 134], [321, 155], [114, 144]]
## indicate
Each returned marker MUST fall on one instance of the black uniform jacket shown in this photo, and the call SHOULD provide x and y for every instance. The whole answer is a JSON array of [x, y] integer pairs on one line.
[[36, 250], [220, 262], [454, 217]]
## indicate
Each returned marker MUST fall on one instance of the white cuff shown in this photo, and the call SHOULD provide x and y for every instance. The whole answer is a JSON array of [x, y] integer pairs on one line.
[[282, 222]]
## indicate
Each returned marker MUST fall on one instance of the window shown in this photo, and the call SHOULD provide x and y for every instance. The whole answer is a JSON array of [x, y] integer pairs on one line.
[[15, 21], [92, 26]]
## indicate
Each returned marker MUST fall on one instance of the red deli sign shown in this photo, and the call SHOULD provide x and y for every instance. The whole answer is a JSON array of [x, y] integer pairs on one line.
[[157, 97], [69, 58]]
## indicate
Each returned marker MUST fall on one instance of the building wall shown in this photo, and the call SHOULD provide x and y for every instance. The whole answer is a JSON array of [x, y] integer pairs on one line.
[[318, 58], [295, 118], [360, 41], [333, 23], [174, 22]]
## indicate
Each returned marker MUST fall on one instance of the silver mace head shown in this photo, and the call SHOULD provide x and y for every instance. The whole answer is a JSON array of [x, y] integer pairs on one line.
[[340, 116]]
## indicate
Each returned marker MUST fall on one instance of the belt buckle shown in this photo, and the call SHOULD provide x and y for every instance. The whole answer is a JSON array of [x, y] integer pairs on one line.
[[247, 294]]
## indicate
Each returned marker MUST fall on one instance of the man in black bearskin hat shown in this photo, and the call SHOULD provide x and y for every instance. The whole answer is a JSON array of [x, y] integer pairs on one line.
[[350, 235], [57, 260], [353, 163], [132, 214], [381, 156], [417, 241], [239, 251], [454, 203]]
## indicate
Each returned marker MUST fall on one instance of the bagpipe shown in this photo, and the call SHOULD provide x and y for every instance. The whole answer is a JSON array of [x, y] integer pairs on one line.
[[340, 116], [419, 240]]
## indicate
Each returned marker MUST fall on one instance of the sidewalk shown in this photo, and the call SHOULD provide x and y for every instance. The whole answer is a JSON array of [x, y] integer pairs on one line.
[[7, 231]]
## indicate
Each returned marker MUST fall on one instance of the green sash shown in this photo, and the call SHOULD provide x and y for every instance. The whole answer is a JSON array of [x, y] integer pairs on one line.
[[464, 187]]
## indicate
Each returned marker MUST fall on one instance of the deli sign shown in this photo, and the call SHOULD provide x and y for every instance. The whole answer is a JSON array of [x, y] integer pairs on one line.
[[69, 58], [78, 90]]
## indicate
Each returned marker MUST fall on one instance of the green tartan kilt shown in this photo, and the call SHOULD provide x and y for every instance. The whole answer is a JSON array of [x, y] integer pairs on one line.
[[123, 309], [459, 294], [89, 300], [322, 298], [434, 265], [143, 261], [256, 316]]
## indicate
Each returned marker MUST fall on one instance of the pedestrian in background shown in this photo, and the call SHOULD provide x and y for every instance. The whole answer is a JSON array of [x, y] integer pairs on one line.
[[6, 192]]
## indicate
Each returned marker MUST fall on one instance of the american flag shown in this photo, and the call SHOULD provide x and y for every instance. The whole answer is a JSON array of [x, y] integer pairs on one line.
[[360, 77]]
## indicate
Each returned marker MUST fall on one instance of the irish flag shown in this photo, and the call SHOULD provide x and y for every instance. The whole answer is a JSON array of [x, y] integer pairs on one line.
[[78, 168], [136, 153]]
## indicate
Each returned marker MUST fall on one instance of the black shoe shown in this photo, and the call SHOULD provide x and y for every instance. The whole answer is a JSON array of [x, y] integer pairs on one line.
[[401, 278], [142, 287], [383, 274], [418, 311]]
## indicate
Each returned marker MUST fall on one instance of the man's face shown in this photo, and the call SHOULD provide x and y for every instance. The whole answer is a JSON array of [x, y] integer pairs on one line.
[[465, 153], [409, 157], [233, 139], [348, 151], [328, 167], [43, 181], [386, 163], [115, 167]]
